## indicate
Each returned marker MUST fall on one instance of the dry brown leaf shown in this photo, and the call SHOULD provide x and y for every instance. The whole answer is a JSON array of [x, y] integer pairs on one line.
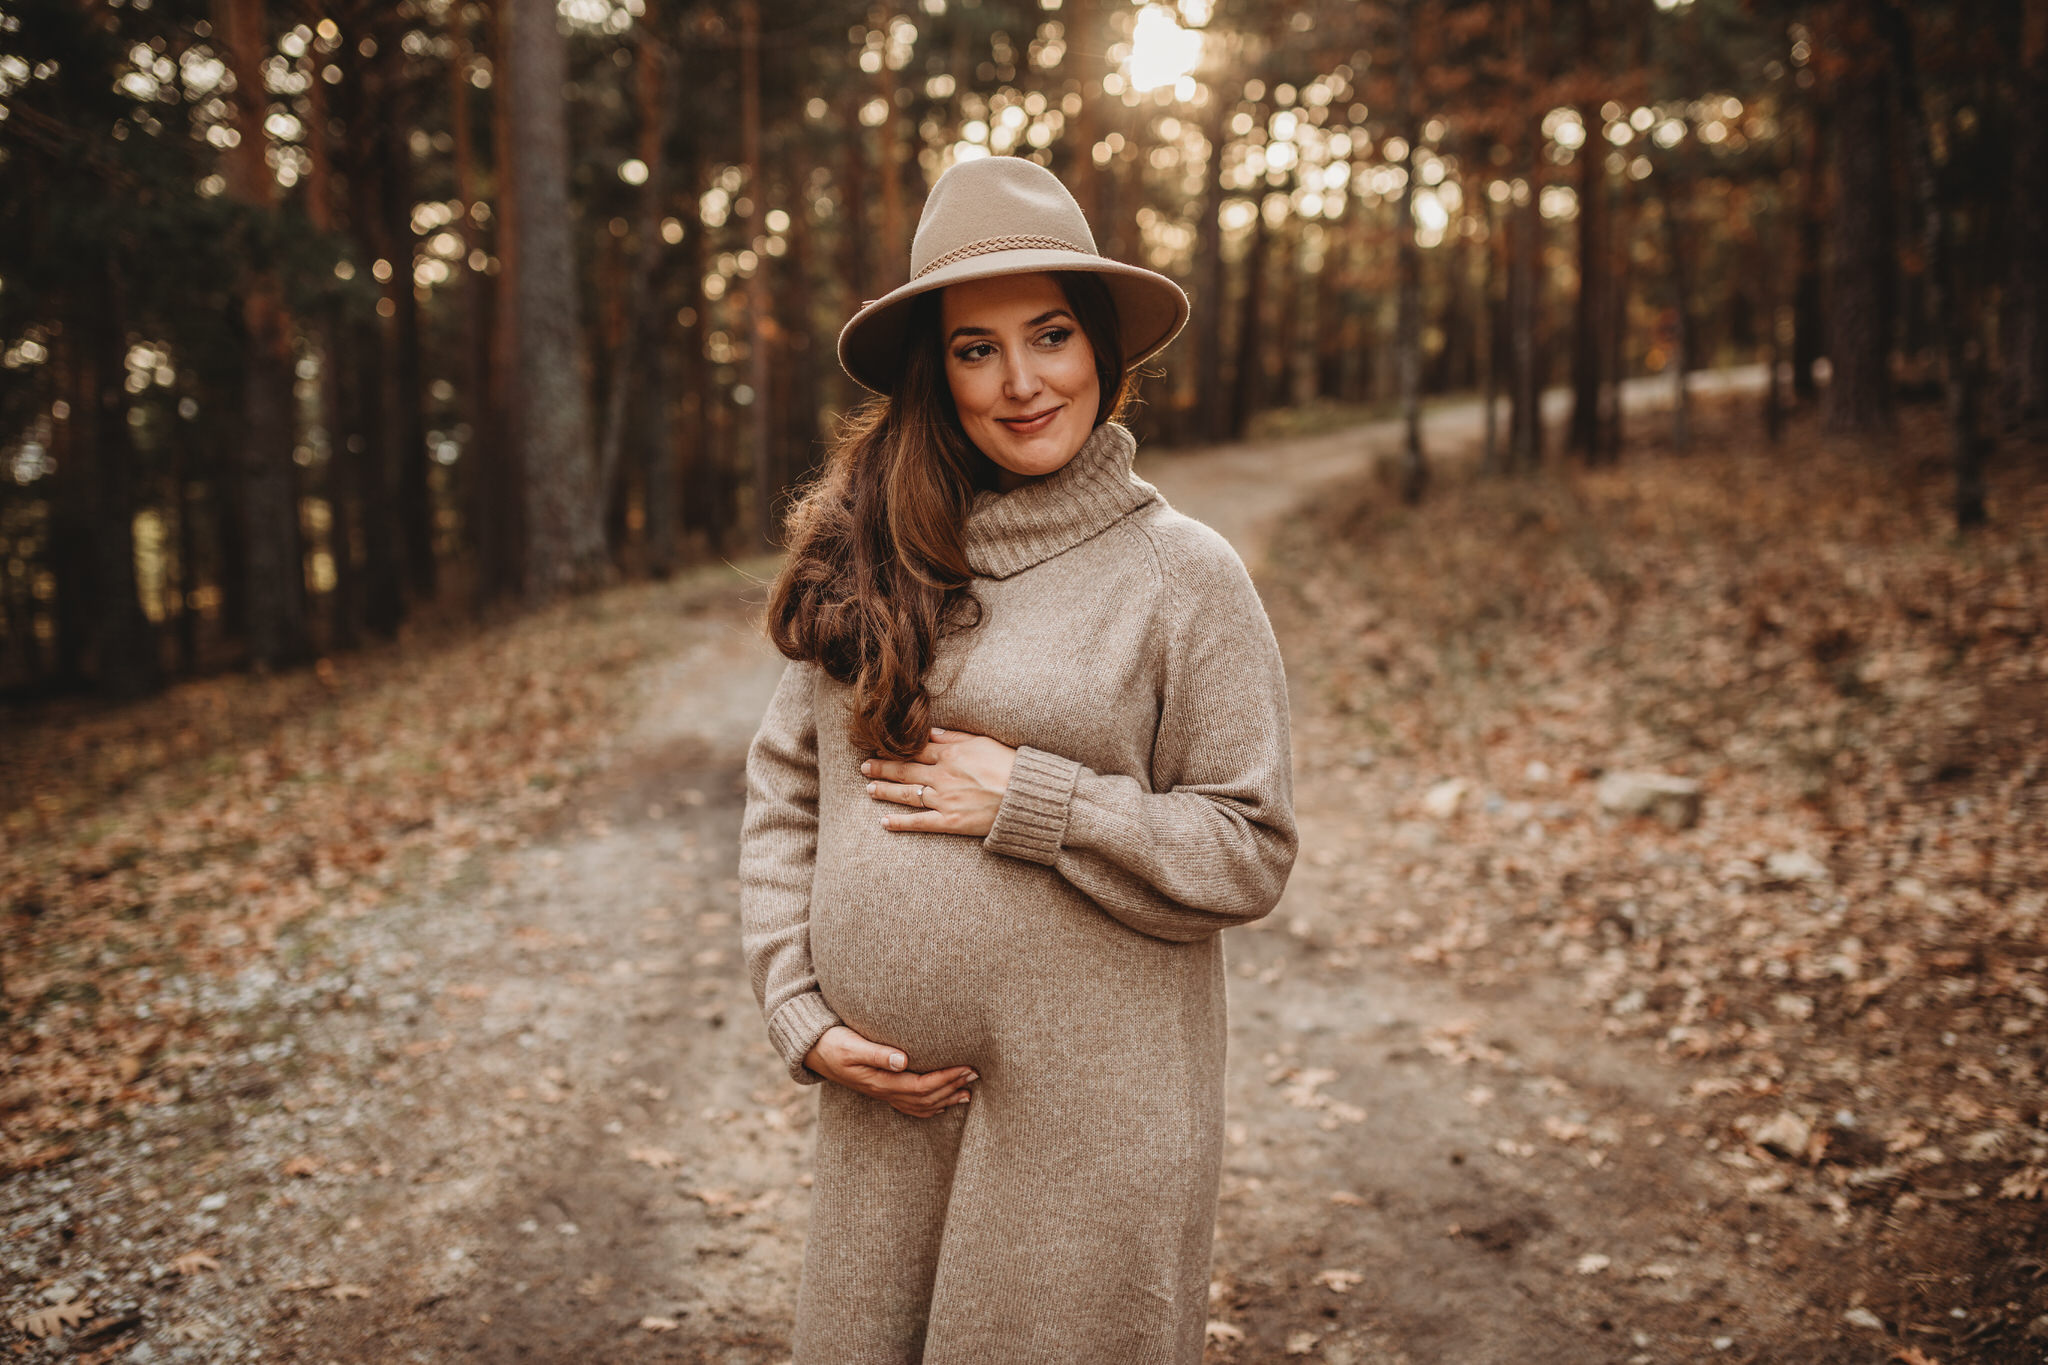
[[301, 1166], [311, 1282], [1339, 1281], [341, 1293], [660, 1158], [195, 1263], [1223, 1334], [651, 1323], [1301, 1343], [2028, 1182], [57, 1317], [1347, 1199]]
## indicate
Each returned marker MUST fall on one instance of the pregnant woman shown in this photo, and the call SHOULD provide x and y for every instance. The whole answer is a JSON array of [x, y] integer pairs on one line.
[[1028, 758]]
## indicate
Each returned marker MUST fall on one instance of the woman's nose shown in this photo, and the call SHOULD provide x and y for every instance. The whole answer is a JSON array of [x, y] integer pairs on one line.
[[1020, 378]]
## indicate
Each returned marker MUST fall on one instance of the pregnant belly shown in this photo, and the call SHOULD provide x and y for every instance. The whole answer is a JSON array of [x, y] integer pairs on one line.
[[932, 944]]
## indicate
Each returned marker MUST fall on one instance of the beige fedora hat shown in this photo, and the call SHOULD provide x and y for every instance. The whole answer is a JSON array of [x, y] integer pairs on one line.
[[1005, 215]]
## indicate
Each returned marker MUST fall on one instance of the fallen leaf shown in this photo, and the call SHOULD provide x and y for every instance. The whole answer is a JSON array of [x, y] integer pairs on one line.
[[1592, 1263], [195, 1262], [309, 1283], [301, 1166], [1657, 1270], [1338, 1281], [1347, 1199], [2026, 1183], [660, 1158], [657, 1324], [343, 1292], [1223, 1334], [1300, 1343], [58, 1317]]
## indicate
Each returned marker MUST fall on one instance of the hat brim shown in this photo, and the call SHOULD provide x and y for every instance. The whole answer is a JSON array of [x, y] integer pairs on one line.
[[1151, 309]]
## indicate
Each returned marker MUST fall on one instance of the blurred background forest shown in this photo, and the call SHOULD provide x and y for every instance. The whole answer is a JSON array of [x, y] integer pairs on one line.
[[317, 317]]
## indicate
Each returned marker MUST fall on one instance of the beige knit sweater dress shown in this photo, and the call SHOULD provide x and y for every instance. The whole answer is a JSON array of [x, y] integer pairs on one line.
[[1071, 957]]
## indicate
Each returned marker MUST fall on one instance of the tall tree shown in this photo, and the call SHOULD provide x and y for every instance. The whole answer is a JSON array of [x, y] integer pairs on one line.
[[564, 515], [1408, 266], [1953, 308], [275, 593], [1861, 283], [2025, 324]]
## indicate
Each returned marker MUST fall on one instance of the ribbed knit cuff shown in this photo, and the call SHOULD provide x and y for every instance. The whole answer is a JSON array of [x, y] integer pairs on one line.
[[796, 1028], [1033, 817]]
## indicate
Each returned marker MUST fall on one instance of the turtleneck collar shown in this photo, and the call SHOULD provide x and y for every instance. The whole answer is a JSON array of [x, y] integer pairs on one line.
[[1007, 533]]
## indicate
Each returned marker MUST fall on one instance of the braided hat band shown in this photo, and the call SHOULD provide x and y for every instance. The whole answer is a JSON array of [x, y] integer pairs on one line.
[[1023, 242]]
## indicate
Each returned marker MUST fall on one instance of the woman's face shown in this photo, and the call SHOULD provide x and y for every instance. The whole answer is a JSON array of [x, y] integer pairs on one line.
[[1021, 370]]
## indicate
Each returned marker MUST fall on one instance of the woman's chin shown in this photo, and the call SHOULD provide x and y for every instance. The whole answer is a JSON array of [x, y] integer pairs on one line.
[[1038, 454]]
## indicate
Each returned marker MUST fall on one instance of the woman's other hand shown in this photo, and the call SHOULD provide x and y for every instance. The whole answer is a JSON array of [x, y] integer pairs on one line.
[[954, 786], [883, 1073]]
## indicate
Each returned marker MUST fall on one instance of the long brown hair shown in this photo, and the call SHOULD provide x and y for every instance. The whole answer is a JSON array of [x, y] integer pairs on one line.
[[877, 569]]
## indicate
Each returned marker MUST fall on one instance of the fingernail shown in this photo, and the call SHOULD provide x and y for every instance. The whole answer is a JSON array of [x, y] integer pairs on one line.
[[973, 1076], [964, 1097], [867, 768], [871, 789], [897, 1061], [936, 732]]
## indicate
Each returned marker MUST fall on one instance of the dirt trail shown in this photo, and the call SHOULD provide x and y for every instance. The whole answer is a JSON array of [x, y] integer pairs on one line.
[[544, 1124]]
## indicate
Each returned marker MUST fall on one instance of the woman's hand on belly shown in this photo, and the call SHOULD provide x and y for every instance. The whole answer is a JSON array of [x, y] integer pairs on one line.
[[883, 1073], [954, 786]]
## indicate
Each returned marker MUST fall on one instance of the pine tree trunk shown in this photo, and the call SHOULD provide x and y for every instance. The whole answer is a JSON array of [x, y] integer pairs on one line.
[[1590, 310], [508, 491], [1247, 394], [1809, 330], [123, 643], [1408, 261], [1489, 347], [639, 331], [1209, 300], [383, 604], [1622, 224], [1674, 190], [337, 408], [184, 499], [275, 592], [798, 406], [403, 386], [2026, 282], [1860, 286], [564, 526], [1953, 309], [1525, 417], [706, 495], [760, 306], [484, 470]]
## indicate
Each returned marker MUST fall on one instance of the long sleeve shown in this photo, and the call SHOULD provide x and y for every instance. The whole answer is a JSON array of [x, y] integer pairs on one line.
[[778, 857], [1210, 844]]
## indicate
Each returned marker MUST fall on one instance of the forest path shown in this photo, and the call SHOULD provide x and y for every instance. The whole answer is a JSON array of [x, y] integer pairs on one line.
[[549, 1126]]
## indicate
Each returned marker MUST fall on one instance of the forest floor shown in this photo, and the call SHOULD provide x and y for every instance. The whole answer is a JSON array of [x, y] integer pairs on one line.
[[392, 1011]]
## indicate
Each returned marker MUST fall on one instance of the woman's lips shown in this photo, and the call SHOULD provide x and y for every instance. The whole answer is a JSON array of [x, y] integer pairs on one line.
[[1025, 426]]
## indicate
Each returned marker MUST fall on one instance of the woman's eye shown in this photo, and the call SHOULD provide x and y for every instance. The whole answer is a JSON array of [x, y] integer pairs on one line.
[[1056, 337], [970, 352]]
